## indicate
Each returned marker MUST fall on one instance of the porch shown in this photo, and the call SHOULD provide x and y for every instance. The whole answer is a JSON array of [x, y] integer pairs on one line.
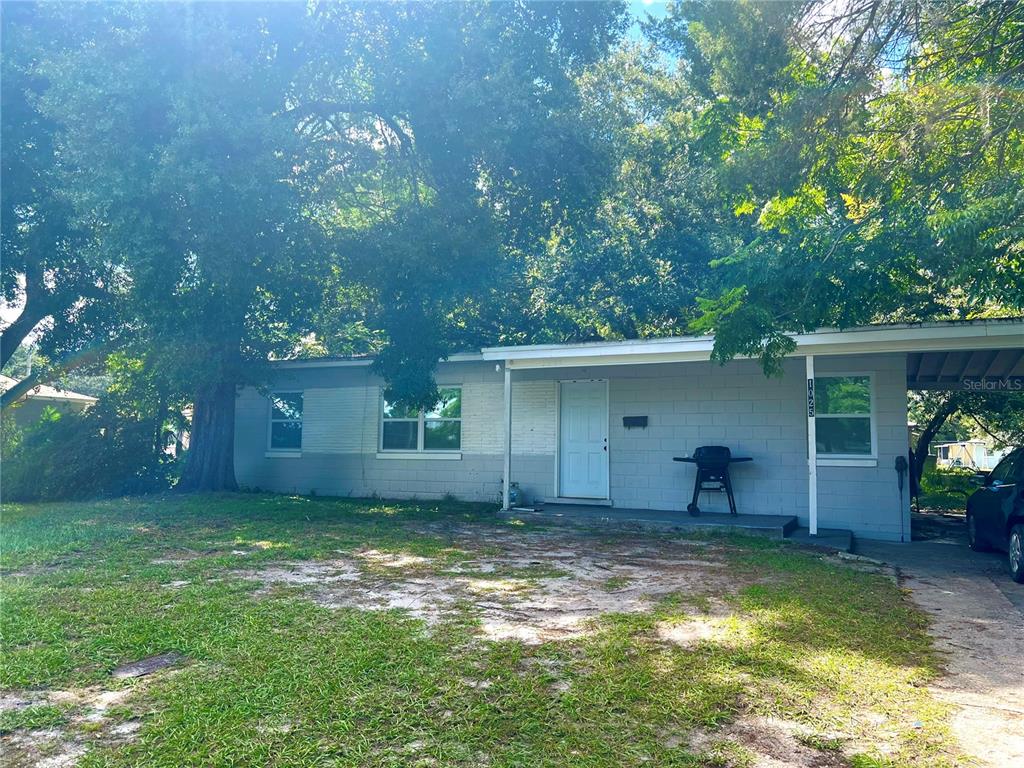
[[597, 425]]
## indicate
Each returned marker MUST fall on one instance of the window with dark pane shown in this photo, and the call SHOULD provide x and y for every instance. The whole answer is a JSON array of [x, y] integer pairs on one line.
[[286, 421], [400, 435]]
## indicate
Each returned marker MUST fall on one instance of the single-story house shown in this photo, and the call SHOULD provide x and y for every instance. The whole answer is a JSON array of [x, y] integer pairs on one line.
[[28, 409], [600, 423]]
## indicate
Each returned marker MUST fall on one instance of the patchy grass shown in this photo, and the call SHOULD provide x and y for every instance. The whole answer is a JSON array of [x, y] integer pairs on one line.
[[31, 717], [616, 583], [838, 655]]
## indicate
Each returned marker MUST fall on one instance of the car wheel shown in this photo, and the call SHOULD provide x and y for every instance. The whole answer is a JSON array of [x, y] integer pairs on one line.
[[973, 540], [1017, 553]]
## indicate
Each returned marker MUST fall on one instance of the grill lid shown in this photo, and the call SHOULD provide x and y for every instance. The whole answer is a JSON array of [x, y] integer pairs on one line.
[[712, 455]]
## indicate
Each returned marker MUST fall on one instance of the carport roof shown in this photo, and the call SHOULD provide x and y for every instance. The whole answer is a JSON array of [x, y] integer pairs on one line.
[[950, 369]]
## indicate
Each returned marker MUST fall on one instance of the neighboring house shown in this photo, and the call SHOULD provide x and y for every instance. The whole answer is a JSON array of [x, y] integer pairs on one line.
[[599, 423], [972, 454], [30, 407], [176, 436]]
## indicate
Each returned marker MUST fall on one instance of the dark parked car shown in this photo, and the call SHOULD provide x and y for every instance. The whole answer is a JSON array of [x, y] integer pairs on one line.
[[995, 512]]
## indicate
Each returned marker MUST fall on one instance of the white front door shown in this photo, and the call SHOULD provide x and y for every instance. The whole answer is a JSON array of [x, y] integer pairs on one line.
[[583, 439]]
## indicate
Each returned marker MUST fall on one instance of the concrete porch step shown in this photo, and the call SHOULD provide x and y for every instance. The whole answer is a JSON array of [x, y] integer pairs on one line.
[[772, 526], [827, 538]]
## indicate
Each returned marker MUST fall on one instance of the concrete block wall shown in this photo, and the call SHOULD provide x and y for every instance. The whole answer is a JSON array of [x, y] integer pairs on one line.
[[866, 500], [707, 404], [687, 405], [341, 433]]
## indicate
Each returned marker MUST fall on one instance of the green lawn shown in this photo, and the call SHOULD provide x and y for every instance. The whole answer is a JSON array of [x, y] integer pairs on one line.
[[274, 677]]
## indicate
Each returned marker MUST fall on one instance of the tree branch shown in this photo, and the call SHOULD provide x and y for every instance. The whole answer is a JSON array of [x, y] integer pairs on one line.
[[36, 378], [326, 110]]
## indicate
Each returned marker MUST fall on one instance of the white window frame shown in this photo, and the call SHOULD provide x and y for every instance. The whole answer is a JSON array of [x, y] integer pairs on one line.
[[872, 416], [420, 421], [271, 450]]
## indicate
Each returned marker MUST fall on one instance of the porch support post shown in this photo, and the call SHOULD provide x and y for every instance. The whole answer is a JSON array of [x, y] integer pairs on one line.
[[506, 473], [812, 452]]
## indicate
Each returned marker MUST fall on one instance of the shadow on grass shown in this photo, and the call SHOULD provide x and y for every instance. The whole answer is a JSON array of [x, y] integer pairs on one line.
[[279, 680]]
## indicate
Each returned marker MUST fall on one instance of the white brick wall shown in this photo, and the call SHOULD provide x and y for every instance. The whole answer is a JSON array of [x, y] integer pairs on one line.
[[687, 405], [342, 420], [533, 418], [706, 404], [346, 419], [482, 409]]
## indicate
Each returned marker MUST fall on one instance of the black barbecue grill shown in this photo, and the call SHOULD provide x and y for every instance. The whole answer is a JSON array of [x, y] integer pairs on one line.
[[712, 473]]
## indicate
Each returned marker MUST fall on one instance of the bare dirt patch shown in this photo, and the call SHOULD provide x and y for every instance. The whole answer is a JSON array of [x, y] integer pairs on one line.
[[717, 624], [148, 665], [529, 586], [89, 717], [768, 742]]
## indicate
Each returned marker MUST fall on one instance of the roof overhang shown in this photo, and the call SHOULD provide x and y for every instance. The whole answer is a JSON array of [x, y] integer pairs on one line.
[[363, 362], [978, 335]]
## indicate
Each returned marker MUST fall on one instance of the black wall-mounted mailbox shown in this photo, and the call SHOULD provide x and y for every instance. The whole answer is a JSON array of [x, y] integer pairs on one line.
[[632, 422]]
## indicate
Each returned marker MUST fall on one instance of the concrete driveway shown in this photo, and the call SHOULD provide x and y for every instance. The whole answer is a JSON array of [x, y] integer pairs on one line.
[[977, 617]]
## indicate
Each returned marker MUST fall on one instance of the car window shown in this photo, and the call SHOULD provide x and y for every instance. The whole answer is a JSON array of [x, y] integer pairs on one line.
[[1006, 470]]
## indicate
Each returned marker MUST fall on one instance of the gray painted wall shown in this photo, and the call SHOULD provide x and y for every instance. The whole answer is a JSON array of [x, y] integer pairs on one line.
[[687, 405]]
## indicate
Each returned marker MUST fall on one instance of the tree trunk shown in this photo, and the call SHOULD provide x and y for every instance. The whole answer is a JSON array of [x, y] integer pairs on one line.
[[12, 395], [158, 427], [928, 434], [211, 455]]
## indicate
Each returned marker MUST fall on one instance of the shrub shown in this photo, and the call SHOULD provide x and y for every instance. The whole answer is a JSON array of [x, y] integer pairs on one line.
[[946, 488], [952, 480], [82, 455]]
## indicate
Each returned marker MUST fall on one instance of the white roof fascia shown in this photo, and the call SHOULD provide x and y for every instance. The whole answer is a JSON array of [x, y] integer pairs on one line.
[[70, 397], [320, 363], [461, 357], [865, 340]]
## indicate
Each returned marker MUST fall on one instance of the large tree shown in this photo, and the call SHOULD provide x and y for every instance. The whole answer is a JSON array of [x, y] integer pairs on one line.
[[483, 148], [871, 154], [50, 269], [249, 162], [177, 149]]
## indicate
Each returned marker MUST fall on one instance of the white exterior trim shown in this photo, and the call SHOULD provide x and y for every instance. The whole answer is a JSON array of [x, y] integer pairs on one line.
[[834, 462], [420, 420], [812, 451], [904, 338], [506, 474], [845, 459], [271, 451], [461, 357], [918, 337]]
